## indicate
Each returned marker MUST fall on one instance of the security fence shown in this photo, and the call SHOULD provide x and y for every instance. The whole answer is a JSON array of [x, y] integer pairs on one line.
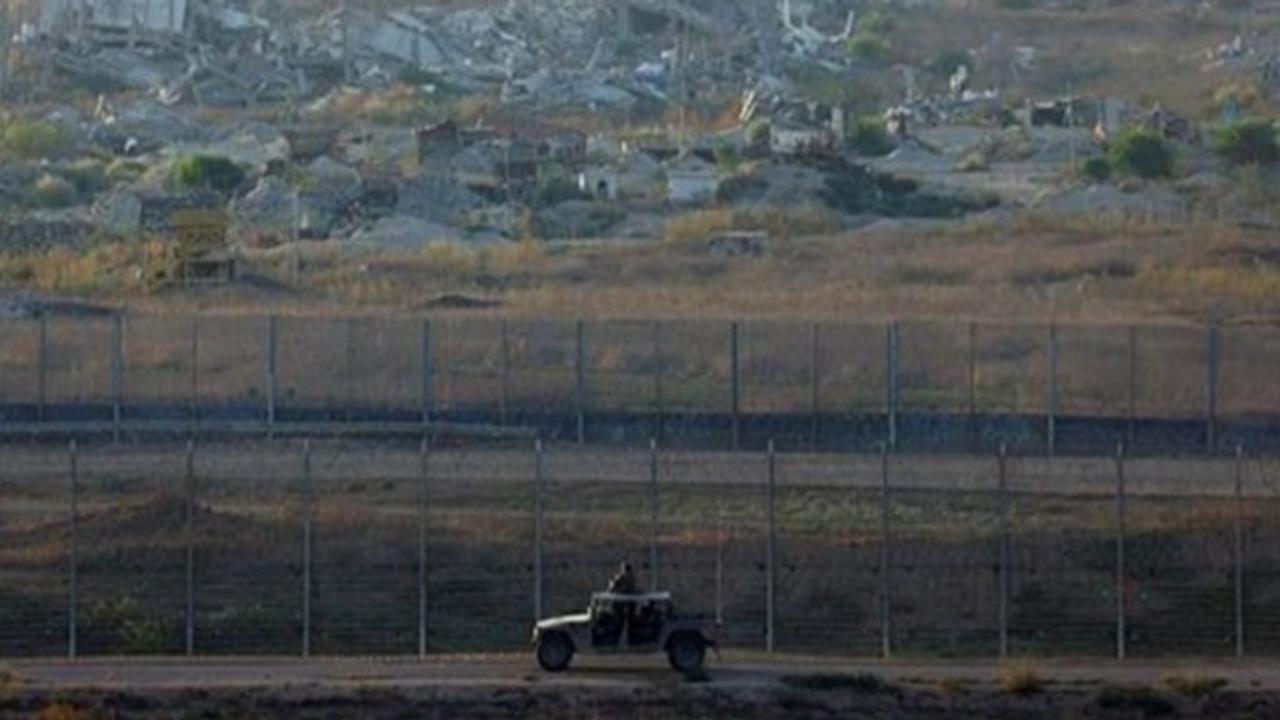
[[920, 386], [346, 547]]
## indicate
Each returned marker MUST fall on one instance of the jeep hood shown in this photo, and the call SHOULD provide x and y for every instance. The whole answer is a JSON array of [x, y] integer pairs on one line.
[[564, 621]]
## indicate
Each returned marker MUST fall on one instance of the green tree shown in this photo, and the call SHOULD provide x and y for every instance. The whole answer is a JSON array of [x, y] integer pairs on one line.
[[1142, 153], [1250, 142]]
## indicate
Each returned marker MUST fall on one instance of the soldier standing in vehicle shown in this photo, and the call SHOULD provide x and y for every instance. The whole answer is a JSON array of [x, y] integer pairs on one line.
[[624, 583]]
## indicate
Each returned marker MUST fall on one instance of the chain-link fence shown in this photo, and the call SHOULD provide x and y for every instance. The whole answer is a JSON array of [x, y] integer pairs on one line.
[[921, 386], [363, 547]]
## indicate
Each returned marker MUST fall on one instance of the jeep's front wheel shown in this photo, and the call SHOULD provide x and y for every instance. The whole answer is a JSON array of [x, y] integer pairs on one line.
[[555, 651], [685, 652]]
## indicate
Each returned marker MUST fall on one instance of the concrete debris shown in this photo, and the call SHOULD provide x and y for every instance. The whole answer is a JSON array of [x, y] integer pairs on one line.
[[327, 192], [439, 198], [269, 214], [404, 232]]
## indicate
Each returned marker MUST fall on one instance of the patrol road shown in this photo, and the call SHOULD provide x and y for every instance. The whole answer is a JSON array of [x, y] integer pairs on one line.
[[736, 669]]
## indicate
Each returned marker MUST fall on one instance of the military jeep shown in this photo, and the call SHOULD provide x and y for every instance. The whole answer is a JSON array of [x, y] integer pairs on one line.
[[625, 624]]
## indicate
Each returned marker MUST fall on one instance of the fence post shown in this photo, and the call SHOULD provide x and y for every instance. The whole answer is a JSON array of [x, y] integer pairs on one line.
[[42, 364], [427, 368], [195, 369], [1239, 551], [73, 569], [973, 385], [271, 374], [891, 383], [349, 369], [771, 550], [117, 374], [654, 529], [1051, 428], [720, 540], [505, 398], [307, 499], [538, 503], [190, 533], [424, 459], [580, 379], [734, 388], [1003, 571], [1120, 558], [1133, 386], [815, 381], [659, 402], [886, 629], [1211, 388]]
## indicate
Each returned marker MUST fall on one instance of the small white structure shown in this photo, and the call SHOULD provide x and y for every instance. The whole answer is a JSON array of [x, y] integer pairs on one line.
[[690, 180]]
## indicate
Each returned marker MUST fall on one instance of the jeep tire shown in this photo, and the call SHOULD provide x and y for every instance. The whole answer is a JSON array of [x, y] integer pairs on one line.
[[685, 652], [555, 651]]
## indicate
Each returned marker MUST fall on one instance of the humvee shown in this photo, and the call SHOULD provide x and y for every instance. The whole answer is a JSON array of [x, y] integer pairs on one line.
[[625, 624]]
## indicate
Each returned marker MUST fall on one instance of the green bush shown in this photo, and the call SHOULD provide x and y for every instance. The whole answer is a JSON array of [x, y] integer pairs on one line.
[[868, 47], [1142, 153], [1251, 142], [1013, 4], [871, 138], [22, 140], [1097, 169], [210, 172]]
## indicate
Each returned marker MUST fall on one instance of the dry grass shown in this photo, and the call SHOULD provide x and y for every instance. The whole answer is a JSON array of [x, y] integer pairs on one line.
[[1195, 686], [1020, 680]]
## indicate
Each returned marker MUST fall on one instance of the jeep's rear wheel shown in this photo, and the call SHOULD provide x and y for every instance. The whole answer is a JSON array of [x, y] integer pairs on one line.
[[685, 652], [555, 651]]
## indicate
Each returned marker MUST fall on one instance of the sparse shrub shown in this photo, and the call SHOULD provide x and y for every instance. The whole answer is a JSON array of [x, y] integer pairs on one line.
[[758, 133], [1195, 686], [1020, 680], [210, 172], [121, 171], [23, 140], [955, 685], [877, 22], [1013, 4], [51, 191], [1142, 153], [1251, 142], [63, 711], [975, 161], [88, 176], [871, 138], [865, 683], [726, 154], [868, 47], [1243, 95], [1097, 169], [1136, 698]]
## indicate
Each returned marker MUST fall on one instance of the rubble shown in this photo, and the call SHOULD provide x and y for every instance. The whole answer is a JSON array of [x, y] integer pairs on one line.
[[402, 231]]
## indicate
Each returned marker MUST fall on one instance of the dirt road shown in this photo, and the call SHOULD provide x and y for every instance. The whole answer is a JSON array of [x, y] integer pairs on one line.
[[732, 670]]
